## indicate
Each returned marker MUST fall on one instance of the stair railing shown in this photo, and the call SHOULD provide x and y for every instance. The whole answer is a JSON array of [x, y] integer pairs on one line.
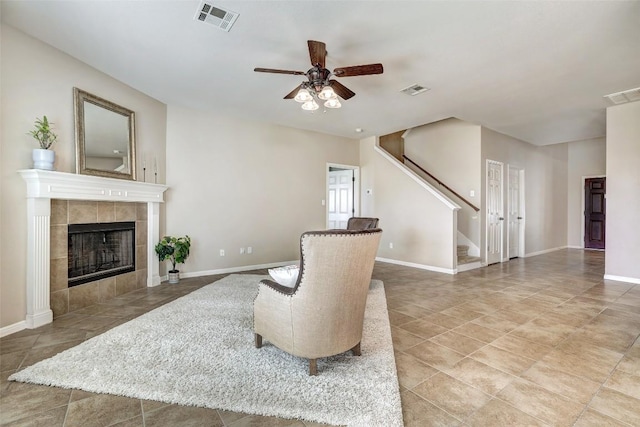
[[441, 183]]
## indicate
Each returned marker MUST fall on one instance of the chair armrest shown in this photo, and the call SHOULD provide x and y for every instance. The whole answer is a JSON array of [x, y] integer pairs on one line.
[[278, 287]]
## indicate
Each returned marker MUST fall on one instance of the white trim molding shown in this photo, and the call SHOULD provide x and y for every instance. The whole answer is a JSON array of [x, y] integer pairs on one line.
[[545, 251], [42, 186], [424, 184], [237, 269], [12, 329], [420, 266], [633, 280]]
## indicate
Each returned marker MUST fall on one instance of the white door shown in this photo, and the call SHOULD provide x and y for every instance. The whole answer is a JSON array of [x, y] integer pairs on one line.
[[514, 210], [340, 196], [495, 219]]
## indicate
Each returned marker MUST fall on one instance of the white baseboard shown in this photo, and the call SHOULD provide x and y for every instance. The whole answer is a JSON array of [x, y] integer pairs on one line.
[[583, 248], [234, 269], [420, 266], [12, 329], [546, 251], [633, 280]]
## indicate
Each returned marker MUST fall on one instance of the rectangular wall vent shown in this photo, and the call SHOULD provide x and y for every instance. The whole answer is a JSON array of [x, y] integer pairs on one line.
[[414, 89], [624, 96], [218, 17]]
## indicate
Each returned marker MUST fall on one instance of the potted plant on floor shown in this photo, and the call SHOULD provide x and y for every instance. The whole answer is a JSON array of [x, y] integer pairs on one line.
[[43, 158], [176, 250]]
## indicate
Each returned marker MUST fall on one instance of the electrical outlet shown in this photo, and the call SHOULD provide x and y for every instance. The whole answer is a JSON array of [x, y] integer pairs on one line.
[[390, 245], [221, 252], [241, 251], [249, 249]]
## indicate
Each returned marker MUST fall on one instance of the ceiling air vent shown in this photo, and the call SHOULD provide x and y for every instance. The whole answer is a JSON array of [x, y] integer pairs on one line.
[[624, 96], [221, 18], [414, 90]]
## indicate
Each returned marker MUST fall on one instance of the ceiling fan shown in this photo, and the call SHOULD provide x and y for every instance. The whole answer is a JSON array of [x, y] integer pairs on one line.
[[319, 84]]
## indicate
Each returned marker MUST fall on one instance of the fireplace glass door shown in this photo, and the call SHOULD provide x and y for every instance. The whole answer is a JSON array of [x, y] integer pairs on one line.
[[98, 251]]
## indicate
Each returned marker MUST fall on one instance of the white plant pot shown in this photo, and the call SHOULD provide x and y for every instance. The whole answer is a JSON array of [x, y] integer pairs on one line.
[[174, 277], [43, 159]]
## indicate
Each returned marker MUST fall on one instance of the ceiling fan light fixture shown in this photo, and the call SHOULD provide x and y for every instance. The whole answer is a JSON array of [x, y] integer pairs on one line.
[[327, 93], [319, 86], [310, 105], [303, 96], [333, 103]]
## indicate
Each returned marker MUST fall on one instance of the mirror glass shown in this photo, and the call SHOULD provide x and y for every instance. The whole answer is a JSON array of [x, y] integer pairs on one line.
[[105, 137]]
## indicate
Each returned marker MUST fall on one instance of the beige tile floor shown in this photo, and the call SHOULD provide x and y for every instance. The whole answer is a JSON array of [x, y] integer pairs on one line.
[[531, 342]]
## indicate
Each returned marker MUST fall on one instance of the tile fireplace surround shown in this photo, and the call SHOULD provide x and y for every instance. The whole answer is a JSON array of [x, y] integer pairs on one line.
[[42, 187]]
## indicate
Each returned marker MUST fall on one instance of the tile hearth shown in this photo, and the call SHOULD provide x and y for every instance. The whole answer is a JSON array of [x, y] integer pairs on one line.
[[65, 299], [537, 341]]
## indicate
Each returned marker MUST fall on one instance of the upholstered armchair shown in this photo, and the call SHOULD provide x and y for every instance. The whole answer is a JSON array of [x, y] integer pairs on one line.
[[361, 223], [323, 313]]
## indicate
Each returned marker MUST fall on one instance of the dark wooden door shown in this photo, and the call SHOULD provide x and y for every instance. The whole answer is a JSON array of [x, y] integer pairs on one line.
[[595, 208]]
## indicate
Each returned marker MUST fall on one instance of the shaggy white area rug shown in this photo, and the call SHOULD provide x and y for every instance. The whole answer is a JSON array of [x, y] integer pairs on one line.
[[199, 350]]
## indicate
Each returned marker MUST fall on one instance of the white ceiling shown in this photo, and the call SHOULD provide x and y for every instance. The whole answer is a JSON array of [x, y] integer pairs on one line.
[[534, 70]]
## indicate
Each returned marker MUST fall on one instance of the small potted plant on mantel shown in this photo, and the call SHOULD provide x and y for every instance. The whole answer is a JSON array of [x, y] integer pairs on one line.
[[176, 250], [43, 158]]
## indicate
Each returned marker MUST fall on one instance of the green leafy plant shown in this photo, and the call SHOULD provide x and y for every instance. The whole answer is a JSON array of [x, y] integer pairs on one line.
[[43, 133], [174, 249]]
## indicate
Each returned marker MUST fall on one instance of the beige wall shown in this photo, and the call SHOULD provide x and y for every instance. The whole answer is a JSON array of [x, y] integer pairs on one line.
[[38, 80], [586, 159], [545, 188], [450, 150], [235, 183], [623, 192], [420, 226]]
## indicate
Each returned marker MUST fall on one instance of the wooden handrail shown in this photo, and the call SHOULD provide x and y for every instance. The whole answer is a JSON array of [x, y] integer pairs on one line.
[[441, 183]]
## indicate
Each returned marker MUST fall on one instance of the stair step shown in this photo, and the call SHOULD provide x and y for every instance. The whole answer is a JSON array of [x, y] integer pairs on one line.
[[467, 259], [462, 250]]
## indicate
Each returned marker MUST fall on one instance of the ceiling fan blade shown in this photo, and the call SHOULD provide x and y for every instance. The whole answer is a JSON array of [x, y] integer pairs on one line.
[[341, 90], [317, 52], [293, 93], [358, 70], [272, 70]]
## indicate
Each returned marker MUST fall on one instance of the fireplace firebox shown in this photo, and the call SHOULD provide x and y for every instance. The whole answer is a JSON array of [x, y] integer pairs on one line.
[[98, 251]]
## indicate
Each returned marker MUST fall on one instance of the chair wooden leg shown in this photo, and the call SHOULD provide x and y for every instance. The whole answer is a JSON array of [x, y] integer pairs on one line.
[[313, 367], [258, 340], [356, 350]]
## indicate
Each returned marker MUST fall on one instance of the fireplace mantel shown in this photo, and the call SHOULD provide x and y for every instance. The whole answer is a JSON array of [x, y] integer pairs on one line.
[[42, 186]]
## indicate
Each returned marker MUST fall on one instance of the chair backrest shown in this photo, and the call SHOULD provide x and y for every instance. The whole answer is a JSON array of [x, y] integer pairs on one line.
[[361, 223], [330, 296]]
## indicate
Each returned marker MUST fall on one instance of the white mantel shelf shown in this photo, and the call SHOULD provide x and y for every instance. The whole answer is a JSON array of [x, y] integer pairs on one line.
[[42, 186], [70, 186]]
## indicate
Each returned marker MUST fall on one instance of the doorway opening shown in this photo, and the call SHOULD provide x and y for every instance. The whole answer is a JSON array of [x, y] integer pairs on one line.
[[515, 213], [594, 203], [343, 194]]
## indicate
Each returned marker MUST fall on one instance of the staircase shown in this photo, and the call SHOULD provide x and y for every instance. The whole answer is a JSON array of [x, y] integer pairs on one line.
[[463, 256]]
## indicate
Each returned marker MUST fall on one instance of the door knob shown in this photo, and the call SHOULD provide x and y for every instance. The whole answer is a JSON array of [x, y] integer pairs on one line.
[[519, 217], [501, 219]]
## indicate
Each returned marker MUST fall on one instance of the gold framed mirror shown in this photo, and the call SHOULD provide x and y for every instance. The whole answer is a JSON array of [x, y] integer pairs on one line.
[[105, 137]]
